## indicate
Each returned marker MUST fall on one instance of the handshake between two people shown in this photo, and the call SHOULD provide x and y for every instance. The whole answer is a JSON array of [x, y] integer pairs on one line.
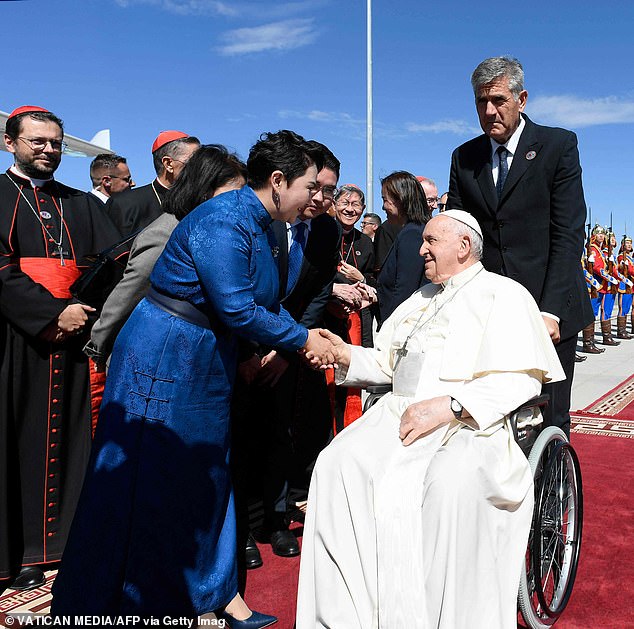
[[324, 350]]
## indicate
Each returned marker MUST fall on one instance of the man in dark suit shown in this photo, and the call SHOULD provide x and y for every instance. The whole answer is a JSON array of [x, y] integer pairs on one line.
[[285, 412], [135, 209], [522, 182], [110, 175]]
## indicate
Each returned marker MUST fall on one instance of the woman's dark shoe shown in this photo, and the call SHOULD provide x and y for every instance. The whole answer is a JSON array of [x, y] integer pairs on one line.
[[252, 557], [254, 621], [30, 577]]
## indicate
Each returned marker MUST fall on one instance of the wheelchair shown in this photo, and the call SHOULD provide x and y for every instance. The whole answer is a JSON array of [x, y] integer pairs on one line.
[[554, 543]]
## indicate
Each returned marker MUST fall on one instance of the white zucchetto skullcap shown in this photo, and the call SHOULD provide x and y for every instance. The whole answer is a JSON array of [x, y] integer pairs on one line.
[[463, 217]]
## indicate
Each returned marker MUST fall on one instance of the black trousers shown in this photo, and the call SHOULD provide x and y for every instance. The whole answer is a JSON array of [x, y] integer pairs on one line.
[[278, 433], [558, 411]]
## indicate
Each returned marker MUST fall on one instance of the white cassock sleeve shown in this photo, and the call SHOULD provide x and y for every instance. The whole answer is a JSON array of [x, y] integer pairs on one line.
[[367, 366], [489, 398]]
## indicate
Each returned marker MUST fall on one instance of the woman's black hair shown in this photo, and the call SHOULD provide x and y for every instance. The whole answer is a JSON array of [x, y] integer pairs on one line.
[[209, 168], [285, 151], [408, 195]]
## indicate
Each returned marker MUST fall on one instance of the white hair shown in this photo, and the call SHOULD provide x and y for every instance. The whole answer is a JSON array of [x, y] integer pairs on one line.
[[462, 229]]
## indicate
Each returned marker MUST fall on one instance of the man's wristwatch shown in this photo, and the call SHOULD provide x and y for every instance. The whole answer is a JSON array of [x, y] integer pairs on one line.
[[456, 408]]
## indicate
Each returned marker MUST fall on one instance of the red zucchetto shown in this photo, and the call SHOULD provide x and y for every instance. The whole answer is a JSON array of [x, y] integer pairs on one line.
[[167, 136], [27, 109]]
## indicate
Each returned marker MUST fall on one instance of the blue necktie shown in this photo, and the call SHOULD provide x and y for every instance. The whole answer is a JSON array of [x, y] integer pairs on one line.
[[503, 170], [296, 255]]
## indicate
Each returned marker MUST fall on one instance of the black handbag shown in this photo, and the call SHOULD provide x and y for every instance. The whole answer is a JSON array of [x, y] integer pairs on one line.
[[96, 282]]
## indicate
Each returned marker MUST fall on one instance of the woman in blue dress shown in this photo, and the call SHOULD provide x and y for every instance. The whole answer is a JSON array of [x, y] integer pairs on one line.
[[154, 532]]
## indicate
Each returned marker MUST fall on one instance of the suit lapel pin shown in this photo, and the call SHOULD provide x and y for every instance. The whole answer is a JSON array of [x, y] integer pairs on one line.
[[531, 155], [358, 253], [275, 251]]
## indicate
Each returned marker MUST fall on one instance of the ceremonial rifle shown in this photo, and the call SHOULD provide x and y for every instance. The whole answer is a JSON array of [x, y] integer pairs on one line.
[[589, 267], [613, 288]]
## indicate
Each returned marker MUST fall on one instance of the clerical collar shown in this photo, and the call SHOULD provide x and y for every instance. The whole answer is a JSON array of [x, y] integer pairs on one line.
[[160, 189], [347, 232], [512, 142], [458, 280], [35, 183]]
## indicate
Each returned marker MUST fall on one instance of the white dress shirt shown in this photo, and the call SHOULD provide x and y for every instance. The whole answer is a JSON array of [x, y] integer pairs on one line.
[[510, 146]]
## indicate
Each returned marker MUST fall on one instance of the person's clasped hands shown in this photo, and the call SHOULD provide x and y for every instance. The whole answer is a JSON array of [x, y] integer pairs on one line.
[[351, 297], [319, 351], [337, 352]]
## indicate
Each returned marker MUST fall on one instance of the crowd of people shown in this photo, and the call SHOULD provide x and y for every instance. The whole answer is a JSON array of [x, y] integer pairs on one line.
[[138, 429]]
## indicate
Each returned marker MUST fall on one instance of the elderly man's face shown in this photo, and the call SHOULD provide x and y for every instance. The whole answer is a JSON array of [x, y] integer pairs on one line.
[[431, 194], [498, 111], [348, 209], [182, 156], [442, 249]]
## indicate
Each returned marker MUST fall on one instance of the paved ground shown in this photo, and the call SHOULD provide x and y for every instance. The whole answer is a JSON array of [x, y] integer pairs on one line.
[[600, 373]]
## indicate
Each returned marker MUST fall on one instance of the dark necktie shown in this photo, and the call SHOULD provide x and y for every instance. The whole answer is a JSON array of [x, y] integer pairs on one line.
[[296, 255], [503, 170]]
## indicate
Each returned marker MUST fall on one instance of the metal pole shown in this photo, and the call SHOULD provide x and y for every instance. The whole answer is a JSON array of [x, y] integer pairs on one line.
[[369, 183]]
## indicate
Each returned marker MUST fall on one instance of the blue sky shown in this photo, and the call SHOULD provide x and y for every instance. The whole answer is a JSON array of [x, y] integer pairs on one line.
[[228, 70]]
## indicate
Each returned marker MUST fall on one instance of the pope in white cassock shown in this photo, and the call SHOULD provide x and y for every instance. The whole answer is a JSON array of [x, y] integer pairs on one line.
[[419, 512]]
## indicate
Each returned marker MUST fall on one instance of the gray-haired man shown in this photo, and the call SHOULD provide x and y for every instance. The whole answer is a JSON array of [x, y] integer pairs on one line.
[[522, 182]]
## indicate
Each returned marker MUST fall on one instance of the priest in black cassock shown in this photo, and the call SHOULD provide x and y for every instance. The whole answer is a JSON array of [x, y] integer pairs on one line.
[[46, 229], [135, 209]]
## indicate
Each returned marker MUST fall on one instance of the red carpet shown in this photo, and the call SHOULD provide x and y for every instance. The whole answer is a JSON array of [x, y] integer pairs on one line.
[[615, 404], [272, 588], [602, 594], [601, 597]]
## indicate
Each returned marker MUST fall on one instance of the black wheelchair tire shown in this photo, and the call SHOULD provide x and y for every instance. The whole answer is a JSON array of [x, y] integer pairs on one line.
[[551, 457]]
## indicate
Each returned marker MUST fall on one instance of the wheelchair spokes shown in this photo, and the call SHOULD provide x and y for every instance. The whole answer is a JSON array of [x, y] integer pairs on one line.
[[554, 542]]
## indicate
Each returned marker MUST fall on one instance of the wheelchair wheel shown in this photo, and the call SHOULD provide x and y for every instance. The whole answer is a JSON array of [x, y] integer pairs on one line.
[[554, 542]]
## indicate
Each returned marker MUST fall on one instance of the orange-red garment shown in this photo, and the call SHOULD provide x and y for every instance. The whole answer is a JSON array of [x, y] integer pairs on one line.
[[48, 272], [353, 408]]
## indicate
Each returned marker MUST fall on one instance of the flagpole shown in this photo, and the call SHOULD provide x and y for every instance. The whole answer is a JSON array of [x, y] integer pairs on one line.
[[369, 183]]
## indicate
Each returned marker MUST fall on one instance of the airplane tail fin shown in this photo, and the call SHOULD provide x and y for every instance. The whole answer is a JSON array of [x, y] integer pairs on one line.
[[102, 139]]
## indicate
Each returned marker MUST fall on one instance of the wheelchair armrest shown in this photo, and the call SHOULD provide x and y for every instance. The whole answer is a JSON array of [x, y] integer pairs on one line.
[[541, 401], [375, 393], [379, 389], [526, 439]]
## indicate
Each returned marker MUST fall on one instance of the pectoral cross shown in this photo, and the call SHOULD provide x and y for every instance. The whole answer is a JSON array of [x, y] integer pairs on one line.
[[402, 352]]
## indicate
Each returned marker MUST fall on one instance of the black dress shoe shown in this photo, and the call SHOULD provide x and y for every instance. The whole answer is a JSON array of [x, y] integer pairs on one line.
[[284, 543], [252, 557], [30, 577]]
